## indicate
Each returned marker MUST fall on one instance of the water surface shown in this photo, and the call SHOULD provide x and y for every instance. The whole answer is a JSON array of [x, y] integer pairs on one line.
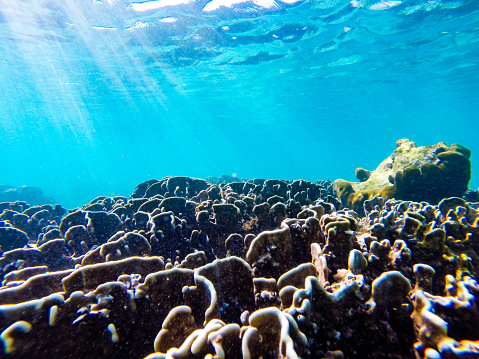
[[98, 96]]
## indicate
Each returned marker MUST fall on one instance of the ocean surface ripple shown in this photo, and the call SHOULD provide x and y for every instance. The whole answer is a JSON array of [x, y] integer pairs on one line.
[[121, 80]]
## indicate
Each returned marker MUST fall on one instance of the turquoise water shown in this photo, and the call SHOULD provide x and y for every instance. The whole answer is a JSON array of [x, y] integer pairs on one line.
[[98, 96]]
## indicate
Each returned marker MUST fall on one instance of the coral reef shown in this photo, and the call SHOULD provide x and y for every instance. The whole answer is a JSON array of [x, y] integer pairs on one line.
[[412, 173], [187, 268], [27, 194]]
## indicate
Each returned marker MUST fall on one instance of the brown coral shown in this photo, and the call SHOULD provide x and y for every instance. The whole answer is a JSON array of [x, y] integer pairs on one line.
[[249, 269]]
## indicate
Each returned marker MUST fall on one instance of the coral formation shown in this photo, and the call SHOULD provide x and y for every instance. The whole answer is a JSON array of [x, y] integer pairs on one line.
[[27, 194], [412, 173], [187, 268]]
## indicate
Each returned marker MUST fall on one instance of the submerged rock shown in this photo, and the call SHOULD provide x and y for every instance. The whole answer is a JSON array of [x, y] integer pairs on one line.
[[29, 194], [426, 173]]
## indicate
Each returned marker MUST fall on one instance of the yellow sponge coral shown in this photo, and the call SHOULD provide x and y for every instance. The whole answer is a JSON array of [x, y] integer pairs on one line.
[[426, 173]]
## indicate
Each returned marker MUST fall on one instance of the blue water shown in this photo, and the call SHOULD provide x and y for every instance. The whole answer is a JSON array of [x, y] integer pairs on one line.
[[98, 96]]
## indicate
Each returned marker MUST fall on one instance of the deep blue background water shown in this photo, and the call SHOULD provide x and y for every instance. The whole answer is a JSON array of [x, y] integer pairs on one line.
[[98, 96]]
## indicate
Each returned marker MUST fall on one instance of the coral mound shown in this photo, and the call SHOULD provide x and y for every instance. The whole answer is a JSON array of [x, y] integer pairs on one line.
[[31, 195], [426, 173]]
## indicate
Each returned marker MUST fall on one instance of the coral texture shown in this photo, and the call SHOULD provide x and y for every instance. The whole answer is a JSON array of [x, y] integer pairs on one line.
[[425, 173], [186, 268]]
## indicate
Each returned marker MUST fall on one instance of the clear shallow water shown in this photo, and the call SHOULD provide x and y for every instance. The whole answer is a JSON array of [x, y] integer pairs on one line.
[[98, 96]]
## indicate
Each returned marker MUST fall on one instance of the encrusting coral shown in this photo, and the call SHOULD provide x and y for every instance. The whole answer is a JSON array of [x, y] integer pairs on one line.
[[258, 269]]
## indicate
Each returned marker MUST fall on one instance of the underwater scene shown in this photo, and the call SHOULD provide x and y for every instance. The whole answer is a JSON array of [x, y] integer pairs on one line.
[[255, 179]]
